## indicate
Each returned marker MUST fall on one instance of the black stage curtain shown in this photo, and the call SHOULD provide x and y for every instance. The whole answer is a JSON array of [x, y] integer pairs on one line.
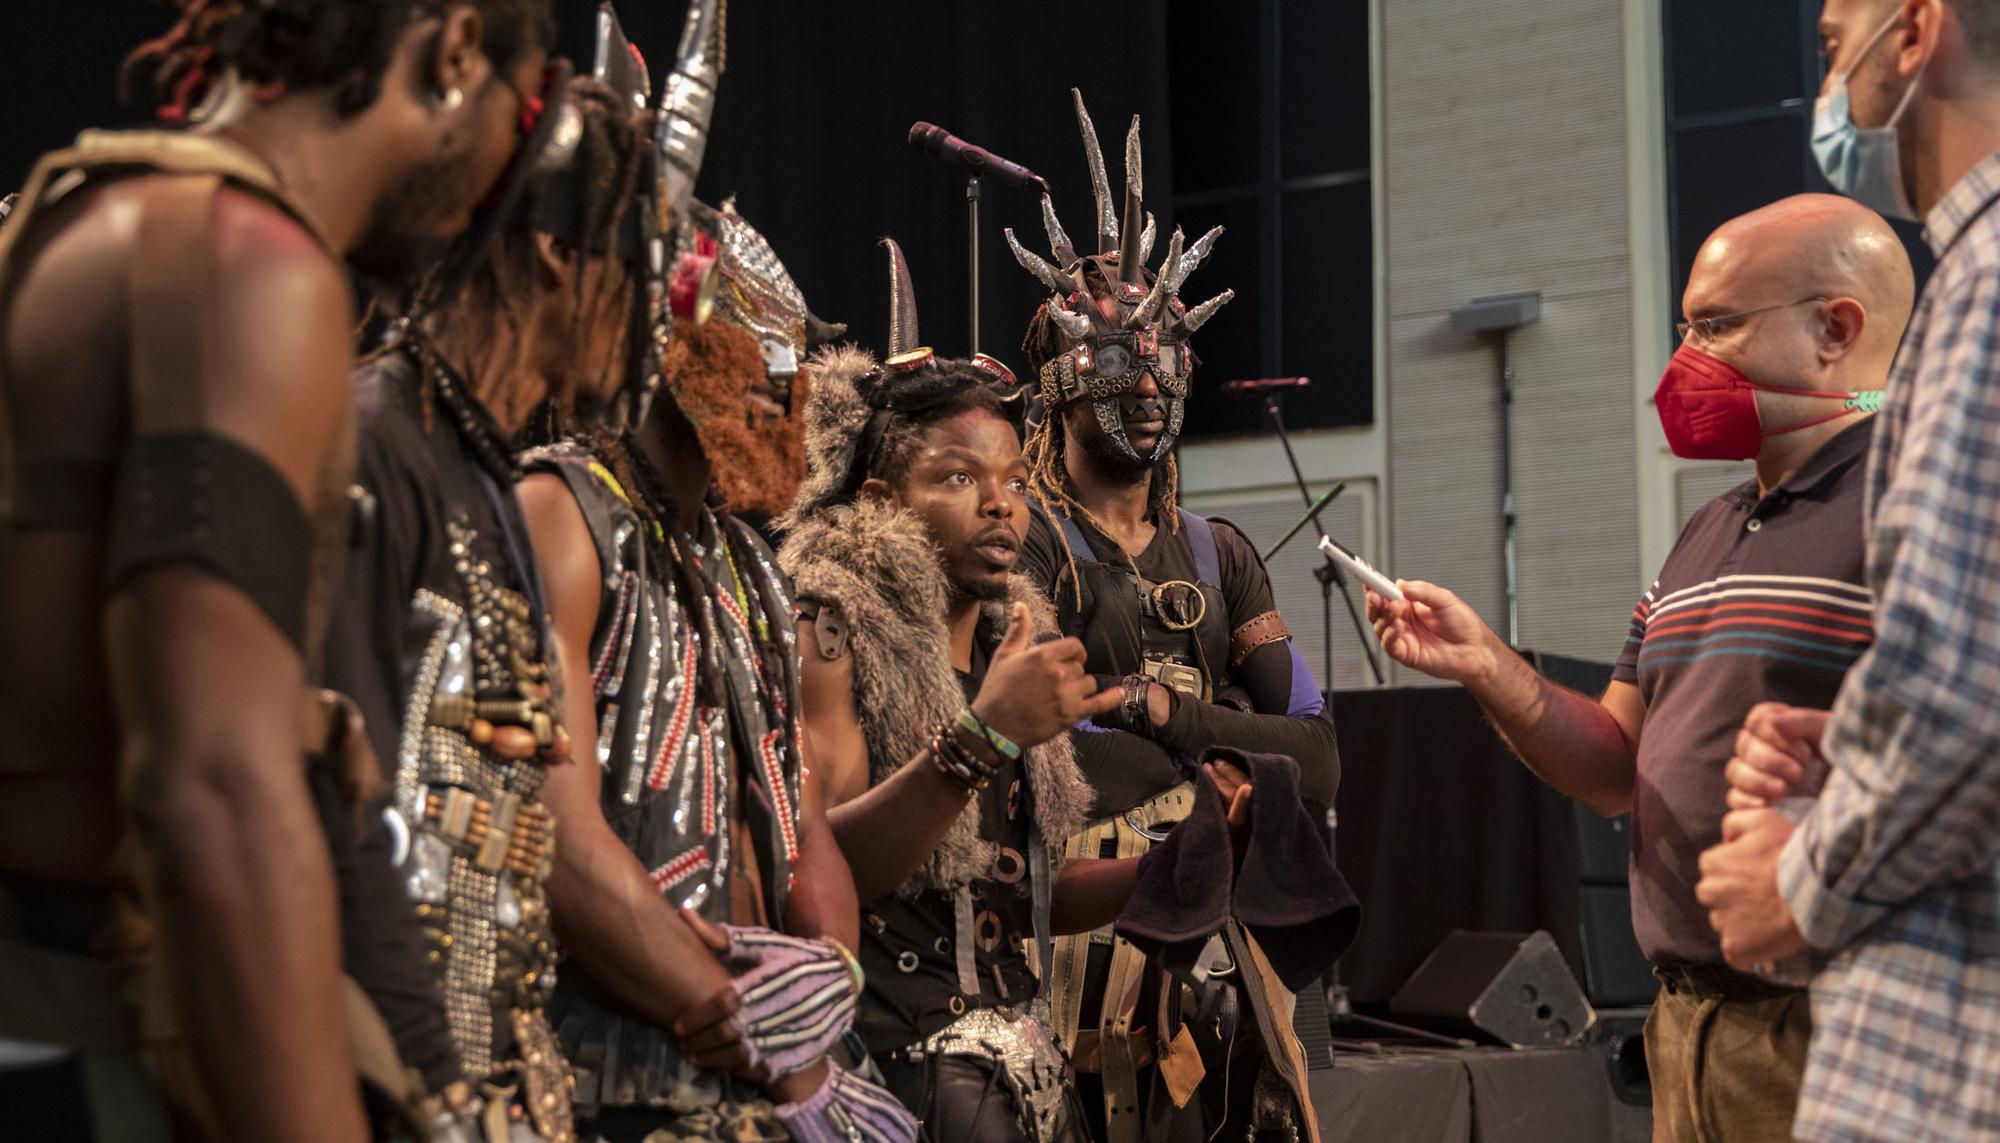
[[61, 67], [1440, 828], [812, 119]]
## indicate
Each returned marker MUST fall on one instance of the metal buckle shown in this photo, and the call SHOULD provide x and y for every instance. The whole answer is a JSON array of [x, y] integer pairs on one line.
[[1170, 606]]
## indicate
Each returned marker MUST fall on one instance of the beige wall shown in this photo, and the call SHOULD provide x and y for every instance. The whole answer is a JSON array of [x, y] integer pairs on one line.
[[1504, 162], [1517, 147]]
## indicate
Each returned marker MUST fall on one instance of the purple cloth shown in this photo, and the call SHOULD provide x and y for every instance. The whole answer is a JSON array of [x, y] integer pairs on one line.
[[848, 1109], [797, 996]]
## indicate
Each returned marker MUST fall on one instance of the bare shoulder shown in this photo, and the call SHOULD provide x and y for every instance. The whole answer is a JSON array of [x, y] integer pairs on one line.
[[550, 508], [279, 342]]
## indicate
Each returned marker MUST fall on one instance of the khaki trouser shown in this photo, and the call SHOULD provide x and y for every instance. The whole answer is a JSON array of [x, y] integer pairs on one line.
[[1726, 1070]]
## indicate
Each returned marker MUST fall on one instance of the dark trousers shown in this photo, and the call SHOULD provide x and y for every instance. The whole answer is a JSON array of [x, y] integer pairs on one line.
[[965, 1099]]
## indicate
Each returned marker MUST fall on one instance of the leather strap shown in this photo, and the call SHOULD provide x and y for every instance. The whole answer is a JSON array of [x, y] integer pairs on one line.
[[1201, 538], [1120, 1053], [1271, 1006], [1254, 633]]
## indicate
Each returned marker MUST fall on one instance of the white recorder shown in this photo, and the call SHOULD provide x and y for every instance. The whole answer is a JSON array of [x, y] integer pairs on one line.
[[1360, 569]]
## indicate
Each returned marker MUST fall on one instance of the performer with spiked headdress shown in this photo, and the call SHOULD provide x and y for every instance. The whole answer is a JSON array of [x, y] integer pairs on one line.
[[705, 906], [1176, 608], [939, 698]]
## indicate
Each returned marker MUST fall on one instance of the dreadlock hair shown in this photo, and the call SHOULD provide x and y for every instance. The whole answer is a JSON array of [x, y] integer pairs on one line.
[[498, 296], [904, 435], [279, 46]]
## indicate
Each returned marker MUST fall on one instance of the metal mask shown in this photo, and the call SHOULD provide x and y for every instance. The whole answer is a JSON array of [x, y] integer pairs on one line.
[[1103, 357], [744, 329]]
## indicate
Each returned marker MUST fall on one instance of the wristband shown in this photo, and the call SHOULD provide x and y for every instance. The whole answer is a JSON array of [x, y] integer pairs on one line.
[[960, 763], [998, 741], [1137, 710]]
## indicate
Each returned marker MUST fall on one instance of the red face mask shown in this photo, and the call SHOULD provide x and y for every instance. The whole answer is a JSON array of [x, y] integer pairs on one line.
[[1709, 408]]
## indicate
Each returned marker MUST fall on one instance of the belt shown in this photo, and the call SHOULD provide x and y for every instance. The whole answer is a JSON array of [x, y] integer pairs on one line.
[[504, 833], [1718, 981]]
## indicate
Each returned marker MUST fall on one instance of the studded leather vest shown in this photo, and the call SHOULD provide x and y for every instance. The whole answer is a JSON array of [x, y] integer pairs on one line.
[[696, 738], [477, 700]]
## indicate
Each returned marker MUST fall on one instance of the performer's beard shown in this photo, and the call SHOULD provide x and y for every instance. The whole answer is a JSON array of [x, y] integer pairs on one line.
[[984, 590], [408, 230], [758, 461]]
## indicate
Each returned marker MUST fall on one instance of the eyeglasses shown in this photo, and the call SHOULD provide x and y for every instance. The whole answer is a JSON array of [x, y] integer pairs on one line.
[[1708, 327]]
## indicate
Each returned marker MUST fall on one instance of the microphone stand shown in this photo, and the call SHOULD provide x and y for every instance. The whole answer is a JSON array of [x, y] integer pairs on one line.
[[972, 262], [1339, 1002], [1328, 573]]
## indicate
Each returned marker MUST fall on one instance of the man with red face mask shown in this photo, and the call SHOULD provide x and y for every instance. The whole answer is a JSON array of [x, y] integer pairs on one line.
[[1793, 313]]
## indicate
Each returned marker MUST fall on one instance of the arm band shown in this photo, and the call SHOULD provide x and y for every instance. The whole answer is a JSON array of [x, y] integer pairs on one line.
[[199, 500]]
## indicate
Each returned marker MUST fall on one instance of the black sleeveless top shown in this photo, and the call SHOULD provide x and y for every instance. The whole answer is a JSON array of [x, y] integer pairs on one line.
[[907, 943]]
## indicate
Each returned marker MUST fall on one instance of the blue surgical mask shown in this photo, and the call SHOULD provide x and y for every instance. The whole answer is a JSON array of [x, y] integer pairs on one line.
[[1863, 163]]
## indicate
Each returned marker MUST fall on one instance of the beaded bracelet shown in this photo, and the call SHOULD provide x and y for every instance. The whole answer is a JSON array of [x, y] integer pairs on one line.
[[993, 738], [966, 757], [958, 763]]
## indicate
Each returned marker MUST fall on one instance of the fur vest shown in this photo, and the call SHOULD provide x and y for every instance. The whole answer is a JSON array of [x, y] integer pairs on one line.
[[874, 563]]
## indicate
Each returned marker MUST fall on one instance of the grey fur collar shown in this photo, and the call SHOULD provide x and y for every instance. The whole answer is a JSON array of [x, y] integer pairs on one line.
[[834, 416], [875, 563]]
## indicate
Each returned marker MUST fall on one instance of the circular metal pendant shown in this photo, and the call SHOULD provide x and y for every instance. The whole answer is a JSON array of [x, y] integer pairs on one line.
[[986, 931], [1009, 867], [1179, 604]]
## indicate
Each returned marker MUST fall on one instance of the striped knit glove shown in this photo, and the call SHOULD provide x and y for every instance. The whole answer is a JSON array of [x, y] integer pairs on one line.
[[848, 1109], [795, 997]]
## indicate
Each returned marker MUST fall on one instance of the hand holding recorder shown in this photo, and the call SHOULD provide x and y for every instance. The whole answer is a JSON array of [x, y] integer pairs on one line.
[[1427, 628]]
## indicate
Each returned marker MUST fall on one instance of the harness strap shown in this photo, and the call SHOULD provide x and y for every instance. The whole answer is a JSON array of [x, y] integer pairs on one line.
[[1201, 537]]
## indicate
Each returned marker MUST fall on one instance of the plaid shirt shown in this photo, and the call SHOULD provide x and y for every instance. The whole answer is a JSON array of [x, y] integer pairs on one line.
[[1896, 871]]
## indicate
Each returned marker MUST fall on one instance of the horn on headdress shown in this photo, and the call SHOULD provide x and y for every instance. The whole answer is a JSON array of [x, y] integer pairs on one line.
[[1198, 252], [1168, 281], [618, 64], [1100, 183], [902, 302], [687, 101], [1059, 243], [1073, 324], [1198, 316], [1033, 263], [1131, 263]]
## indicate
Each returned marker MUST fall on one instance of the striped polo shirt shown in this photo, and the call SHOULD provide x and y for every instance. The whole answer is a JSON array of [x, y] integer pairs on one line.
[[1761, 599]]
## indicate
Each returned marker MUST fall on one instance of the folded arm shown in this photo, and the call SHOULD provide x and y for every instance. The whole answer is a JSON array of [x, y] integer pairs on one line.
[[1913, 799]]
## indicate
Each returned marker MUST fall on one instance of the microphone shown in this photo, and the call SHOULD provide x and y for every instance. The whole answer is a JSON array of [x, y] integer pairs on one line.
[[1252, 388], [973, 159]]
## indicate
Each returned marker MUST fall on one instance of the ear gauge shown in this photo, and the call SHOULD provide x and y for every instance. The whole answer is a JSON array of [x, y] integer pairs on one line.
[[450, 99]]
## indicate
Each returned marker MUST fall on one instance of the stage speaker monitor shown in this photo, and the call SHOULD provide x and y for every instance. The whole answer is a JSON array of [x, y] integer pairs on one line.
[[1513, 987]]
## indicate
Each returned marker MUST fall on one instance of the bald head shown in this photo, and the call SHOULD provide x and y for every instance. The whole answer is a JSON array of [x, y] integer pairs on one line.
[[1808, 245]]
